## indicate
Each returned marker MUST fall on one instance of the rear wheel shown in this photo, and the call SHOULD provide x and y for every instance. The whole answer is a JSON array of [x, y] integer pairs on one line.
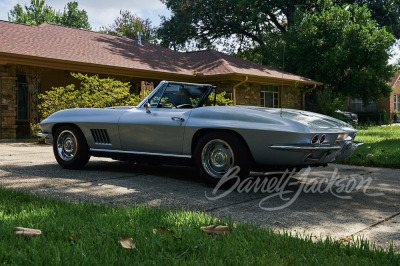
[[70, 148], [217, 153]]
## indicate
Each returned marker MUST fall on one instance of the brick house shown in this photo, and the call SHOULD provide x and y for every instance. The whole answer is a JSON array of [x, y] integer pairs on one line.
[[393, 102], [34, 59], [388, 104]]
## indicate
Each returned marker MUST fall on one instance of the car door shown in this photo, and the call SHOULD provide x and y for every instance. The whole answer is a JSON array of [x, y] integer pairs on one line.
[[159, 131]]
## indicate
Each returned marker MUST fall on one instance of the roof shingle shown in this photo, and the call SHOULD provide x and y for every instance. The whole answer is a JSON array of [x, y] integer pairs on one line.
[[75, 45]]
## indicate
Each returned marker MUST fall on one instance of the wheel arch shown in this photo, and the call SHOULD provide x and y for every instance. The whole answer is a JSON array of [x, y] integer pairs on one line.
[[58, 125], [201, 132]]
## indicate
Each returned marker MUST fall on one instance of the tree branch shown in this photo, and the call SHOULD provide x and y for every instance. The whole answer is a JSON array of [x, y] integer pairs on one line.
[[274, 20]]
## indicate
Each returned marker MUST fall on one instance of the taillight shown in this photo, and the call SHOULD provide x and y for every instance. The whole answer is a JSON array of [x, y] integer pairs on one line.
[[322, 139], [314, 139]]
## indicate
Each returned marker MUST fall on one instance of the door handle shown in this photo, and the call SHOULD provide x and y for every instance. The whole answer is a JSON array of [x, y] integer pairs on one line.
[[178, 119]]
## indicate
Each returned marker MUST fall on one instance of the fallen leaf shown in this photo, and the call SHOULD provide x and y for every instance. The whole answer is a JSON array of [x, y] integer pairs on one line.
[[283, 244], [74, 237], [27, 231], [163, 230], [127, 242], [369, 155], [214, 229]]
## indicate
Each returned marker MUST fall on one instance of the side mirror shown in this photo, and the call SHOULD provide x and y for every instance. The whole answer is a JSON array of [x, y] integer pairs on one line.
[[147, 105]]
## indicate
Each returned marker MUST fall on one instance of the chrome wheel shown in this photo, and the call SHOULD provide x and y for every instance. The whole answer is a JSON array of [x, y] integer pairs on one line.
[[67, 145], [217, 158]]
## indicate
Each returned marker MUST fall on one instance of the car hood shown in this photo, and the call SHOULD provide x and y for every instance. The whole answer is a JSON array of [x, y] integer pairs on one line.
[[313, 121]]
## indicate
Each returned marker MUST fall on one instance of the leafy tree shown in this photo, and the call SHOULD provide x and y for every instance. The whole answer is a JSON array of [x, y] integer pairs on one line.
[[128, 24], [344, 48], [249, 22], [73, 17], [38, 12], [93, 92], [339, 45], [386, 13]]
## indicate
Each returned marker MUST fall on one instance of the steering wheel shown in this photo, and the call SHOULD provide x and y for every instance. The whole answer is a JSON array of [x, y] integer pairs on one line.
[[168, 101]]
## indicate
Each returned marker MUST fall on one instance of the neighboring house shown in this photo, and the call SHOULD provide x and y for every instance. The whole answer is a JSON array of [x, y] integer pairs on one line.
[[393, 102], [389, 104], [34, 59]]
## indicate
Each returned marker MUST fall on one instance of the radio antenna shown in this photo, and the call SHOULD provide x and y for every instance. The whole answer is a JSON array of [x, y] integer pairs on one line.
[[283, 67]]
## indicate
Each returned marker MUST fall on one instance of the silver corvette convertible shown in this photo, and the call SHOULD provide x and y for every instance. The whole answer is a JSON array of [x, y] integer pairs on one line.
[[178, 123]]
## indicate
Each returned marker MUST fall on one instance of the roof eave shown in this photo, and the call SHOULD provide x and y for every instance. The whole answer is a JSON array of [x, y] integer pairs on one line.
[[77, 66]]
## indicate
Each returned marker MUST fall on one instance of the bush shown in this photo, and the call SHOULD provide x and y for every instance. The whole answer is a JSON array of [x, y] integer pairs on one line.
[[378, 117], [93, 92], [327, 102], [220, 100]]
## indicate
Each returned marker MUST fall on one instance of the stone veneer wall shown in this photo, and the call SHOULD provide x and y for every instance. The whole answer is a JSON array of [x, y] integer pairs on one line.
[[249, 94], [291, 97], [8, 104]]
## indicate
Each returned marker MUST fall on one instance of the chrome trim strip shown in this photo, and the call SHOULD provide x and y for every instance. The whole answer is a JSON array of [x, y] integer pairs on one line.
[[303, 148], [143, 153], [42, 134]]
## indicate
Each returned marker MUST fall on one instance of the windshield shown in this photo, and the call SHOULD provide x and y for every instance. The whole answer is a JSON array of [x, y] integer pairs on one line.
[[175, 95]]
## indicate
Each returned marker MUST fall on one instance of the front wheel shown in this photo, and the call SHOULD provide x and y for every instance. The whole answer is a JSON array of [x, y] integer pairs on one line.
[[70, 148], [217, 153]]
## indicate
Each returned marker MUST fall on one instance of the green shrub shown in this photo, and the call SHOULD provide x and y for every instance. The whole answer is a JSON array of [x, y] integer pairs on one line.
[[93, 92], [221, 100], [327, 102], [378, 117]]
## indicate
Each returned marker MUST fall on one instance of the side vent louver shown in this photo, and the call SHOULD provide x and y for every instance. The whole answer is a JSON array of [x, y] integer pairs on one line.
[[100, 136]]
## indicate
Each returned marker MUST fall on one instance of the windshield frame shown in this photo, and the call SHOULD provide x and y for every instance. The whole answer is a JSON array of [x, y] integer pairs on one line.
[[164, 84]]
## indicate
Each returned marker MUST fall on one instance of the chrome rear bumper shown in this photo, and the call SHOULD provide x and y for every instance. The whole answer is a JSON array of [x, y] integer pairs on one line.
[[348, 149], [305, 148], [322, 154]]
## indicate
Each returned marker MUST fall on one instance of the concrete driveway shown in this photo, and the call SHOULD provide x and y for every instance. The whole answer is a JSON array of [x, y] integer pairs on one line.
[[338, 201]]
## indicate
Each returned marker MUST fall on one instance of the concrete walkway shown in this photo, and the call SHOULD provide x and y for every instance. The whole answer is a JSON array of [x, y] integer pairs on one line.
[[338, 201]]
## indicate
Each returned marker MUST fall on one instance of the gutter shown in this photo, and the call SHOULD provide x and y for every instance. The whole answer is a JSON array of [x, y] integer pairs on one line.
[[304, 95], [237, 85]]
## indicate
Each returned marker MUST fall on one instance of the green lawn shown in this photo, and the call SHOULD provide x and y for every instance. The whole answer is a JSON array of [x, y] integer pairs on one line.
[[89, 234], [383, 142]]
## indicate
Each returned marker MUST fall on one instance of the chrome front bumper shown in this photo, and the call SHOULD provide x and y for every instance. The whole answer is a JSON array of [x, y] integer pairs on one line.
[[48, 137]]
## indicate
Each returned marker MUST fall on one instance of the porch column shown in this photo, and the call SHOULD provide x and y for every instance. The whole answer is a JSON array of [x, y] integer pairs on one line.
[[145, 86], [8, 102]]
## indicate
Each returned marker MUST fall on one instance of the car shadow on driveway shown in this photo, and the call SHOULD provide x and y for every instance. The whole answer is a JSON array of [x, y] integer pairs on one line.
[[321, 212]]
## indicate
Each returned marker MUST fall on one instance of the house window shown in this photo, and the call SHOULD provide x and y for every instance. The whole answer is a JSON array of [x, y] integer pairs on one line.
[[356, 105], [22, 98], [397, 102], [269, 96]]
